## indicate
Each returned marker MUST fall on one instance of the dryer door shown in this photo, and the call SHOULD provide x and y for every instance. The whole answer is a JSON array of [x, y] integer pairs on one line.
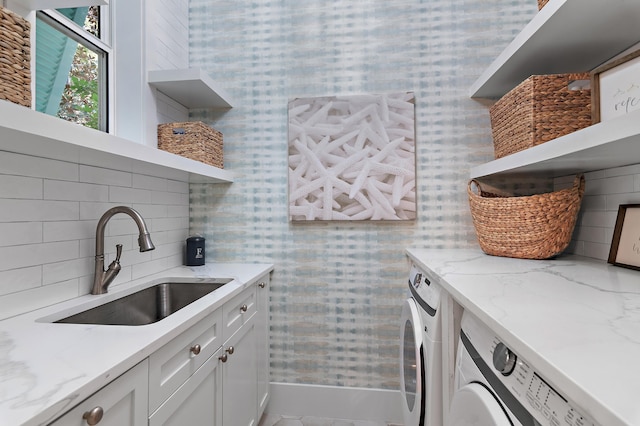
[[412, 367], [475, 405]]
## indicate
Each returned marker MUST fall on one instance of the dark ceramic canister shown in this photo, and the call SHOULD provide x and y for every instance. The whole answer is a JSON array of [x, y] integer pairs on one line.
[[195, 251]]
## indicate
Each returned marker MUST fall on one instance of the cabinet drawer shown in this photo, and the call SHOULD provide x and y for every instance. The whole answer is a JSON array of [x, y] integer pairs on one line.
[[238, 310], [123, 402], [171, 365]]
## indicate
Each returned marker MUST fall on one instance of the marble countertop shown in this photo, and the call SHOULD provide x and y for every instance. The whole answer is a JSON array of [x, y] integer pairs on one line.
[[575, 319], [46, 368]]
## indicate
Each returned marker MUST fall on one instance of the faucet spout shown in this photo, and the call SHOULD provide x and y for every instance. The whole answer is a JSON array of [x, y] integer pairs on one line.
[[102, 278]]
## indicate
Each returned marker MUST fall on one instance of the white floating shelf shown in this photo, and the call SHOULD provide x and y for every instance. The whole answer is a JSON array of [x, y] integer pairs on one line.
[[612, 143], [191, 87], [565, 36], [25, 131], [57, 4]]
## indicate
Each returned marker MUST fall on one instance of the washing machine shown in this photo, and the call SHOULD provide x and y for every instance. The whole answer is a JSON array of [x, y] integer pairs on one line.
[[494, 386], [421, 352]]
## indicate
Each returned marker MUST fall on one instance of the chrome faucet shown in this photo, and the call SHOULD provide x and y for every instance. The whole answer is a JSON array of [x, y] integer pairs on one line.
[[103, 278]]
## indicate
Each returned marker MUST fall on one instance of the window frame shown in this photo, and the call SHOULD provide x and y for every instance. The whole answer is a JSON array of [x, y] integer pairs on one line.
[[102, 45]]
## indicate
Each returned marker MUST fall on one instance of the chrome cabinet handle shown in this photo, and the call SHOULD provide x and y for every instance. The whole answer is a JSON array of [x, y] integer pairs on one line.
[[262, 284], [195, 349], [94, 416], [223, 357], [243, 308], [230, 350]]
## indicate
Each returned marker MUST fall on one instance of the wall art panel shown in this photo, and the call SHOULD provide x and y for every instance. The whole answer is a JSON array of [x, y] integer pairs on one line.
[[352, 157]]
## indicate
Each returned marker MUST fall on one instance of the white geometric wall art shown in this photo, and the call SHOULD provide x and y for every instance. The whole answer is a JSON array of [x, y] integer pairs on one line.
[[352, 158]]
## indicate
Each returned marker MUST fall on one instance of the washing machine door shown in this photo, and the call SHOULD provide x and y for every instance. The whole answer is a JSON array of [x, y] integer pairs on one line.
[[412, 366], [474, 405]]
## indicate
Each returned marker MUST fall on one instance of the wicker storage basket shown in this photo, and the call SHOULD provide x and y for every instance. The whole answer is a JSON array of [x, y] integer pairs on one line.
[[528, 227], [15, 58], [541, 3], [194, 140], [539, 109]]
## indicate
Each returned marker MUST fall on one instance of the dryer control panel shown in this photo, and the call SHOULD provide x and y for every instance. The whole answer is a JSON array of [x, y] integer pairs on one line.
[[423, 289], [521, 388]]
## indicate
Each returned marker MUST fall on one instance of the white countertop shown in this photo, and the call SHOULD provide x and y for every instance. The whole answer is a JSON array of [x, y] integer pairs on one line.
[[575, 319], [46, 368]]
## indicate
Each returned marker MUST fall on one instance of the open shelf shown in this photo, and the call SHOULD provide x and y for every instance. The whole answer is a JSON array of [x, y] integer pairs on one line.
[[191, 87], [612, 143], [25, 131], [565, 36]]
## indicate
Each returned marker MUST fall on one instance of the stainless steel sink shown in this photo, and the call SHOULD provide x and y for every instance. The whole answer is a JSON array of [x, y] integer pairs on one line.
[[147, 306]]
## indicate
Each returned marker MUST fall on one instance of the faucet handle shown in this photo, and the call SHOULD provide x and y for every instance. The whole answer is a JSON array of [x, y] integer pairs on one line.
[[118, 252]]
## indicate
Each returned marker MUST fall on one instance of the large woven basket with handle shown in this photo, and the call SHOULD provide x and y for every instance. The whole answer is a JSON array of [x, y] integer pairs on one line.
[[527, 227]]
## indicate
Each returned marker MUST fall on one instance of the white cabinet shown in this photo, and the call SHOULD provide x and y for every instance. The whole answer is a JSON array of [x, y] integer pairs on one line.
[[123, 402], [171, 365], [215, 373], [567, 36], [239, 377], [218, 385], [197, 401], [262, 342]]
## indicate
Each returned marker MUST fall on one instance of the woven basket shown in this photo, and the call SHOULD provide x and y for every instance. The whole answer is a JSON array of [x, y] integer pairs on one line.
[[194, 140], [539, 109], [15, 58], [528, 227], [541, 3]]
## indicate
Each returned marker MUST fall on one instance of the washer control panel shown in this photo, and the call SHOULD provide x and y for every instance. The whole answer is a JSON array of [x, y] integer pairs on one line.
[[518, 378], [422, 286]]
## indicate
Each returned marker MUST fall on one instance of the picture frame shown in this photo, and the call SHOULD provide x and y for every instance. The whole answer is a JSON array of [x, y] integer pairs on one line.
[[615, 88], [625, 244]]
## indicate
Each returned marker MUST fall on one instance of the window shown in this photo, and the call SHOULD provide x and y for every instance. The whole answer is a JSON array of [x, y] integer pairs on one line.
[[72, 65]]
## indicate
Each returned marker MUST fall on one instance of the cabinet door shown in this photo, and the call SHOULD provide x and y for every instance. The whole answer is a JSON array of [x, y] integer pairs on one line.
[[262, 342], [197, 402], [171, 365], [239, 377], [123, 401]]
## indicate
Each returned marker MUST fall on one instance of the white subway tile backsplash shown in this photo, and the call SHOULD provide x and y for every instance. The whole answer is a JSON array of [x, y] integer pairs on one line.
[[150, 211], [36, 210], [68, 230], [177, 186], [15, 280], [129, 195], [615, 200], [143, 269], [37, 254], [74, 191], [94, 211], [612, 185], [172, 198], [25, 165], [28, 300], [90, 174], [67, 270], [171, 223], [20, 187], [17, 233], [149, 182]]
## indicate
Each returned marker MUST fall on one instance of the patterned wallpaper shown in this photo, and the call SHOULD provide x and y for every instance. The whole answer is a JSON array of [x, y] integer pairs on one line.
[[338, 287]]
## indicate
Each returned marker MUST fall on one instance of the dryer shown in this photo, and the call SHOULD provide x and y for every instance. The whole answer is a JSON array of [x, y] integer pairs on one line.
[[495, 386], [421, 352]]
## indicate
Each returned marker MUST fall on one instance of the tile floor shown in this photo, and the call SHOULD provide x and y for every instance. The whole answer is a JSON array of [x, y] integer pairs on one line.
[[277, 420]]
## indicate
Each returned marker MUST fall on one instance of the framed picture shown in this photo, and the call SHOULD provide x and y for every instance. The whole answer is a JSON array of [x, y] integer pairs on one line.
[[352, 158], [625, 245], [615, 88]]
